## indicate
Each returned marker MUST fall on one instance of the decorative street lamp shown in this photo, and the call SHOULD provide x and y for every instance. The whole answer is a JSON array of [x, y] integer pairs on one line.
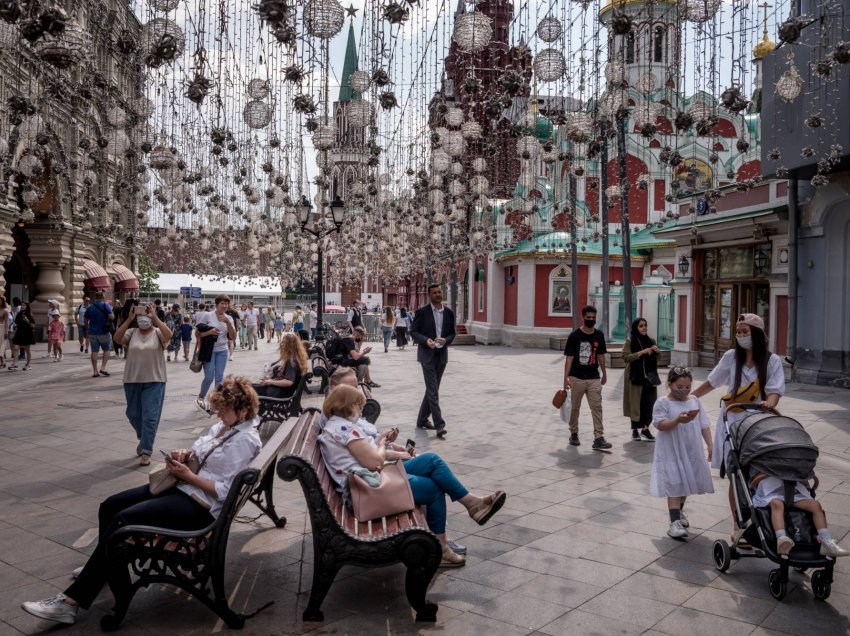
[[684, 265], [761, 260], [320, 231]]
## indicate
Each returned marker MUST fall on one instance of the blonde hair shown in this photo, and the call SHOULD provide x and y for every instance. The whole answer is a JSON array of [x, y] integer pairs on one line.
[[341, 375], [343, 401], [292, 349], [238, 394]]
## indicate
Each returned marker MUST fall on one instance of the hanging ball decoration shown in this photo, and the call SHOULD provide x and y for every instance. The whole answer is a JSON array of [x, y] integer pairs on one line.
[[454, 144], [4, 148], [359, 113], [161, 158], [258, 89], [142, 106], [324, 136], [613, 101], [549, 29], [471, 130], [164, 5], [473, 31], [162, 41], [440, 161], [257, 114], [454, 117], [323, 18], [360, 81], [527, 147], [699, 10], [479, 185], [116, 117], [66, 49], [549, 65], [647, 83], [580, 127], [8, 36], [615, 72], [118, 144], [790, 84], [30, 166], [479, 164]]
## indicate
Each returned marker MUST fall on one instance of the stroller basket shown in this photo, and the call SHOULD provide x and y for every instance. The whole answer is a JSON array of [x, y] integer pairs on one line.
[[774, 445]]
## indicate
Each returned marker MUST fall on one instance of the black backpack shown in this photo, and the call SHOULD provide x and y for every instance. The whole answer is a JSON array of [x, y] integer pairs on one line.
[[356, 320], [334, 349]]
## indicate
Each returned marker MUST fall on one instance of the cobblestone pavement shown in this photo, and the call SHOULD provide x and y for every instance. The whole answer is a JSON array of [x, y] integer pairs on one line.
[[580, 548]]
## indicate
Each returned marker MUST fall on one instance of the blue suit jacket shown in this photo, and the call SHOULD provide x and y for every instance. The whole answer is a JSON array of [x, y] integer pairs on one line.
[[424, 329]]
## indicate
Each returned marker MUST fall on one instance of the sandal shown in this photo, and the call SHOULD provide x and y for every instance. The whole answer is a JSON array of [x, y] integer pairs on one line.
[[485, 511], [106, 373], [451, 559]]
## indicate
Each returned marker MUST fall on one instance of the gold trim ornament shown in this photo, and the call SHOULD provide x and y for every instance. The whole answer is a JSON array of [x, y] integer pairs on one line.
[[790, 84]]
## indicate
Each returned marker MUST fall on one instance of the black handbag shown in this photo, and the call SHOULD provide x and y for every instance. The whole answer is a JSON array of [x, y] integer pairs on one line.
[[650, 378]]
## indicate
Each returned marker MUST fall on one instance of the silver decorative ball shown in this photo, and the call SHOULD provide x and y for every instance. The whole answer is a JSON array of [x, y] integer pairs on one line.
[[473, 31], [323, 18], [549, 65], [549, 29], [257, 114]]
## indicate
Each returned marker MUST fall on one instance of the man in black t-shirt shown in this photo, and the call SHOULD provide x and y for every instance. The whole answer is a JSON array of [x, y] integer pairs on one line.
[[585, 352]]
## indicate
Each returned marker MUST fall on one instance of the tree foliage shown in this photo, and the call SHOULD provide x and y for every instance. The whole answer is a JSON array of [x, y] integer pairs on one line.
[[147, 275]]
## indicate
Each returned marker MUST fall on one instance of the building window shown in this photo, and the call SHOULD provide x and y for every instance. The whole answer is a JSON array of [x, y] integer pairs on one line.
[[630, 48], [658, 42], [560, 292]]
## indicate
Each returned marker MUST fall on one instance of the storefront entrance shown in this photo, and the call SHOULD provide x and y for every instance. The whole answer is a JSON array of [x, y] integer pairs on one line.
[[723, 299]]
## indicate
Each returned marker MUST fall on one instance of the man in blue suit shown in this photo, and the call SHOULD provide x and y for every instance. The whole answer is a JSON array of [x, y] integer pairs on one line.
[[433, 330]]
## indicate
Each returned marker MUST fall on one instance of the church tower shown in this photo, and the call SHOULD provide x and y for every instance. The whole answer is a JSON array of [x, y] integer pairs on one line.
[[350, 153], [643, 37]]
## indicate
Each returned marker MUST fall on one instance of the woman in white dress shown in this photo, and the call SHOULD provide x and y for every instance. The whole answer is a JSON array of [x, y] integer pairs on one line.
[[752, 374], [679, 468]]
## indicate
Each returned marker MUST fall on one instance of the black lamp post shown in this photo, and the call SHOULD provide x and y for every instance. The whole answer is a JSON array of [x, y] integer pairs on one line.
[[684, 265], [321, 231]]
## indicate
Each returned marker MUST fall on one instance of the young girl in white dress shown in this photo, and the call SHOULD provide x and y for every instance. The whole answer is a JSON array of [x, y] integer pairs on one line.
[[679, 468]]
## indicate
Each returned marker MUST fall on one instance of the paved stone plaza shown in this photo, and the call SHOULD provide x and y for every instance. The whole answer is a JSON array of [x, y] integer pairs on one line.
[[580, 548]]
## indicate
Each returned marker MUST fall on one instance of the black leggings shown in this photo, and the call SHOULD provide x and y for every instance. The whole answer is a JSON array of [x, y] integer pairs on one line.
[[175, 510], [648, 396]]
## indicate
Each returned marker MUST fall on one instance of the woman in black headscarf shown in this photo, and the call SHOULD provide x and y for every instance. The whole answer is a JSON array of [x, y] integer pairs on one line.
[[640, 353]]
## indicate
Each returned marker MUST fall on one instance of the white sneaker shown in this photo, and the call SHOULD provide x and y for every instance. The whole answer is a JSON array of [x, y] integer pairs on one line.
[[76, 573], [784, 545], [52, 609], [684, 520], [832, 549], [677, 530]]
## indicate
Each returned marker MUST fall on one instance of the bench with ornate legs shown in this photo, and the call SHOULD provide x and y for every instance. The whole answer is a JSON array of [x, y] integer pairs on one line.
[[194, 560], [372, 409], [339, 539], [320, 367], [281, 409]]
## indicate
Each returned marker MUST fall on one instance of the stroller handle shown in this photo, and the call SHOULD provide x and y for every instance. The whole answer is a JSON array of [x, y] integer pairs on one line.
[[749, 407]]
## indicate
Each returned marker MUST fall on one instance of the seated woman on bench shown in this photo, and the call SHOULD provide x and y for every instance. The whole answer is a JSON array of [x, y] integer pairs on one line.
[[282, 379], [193, 504], [347, 444]]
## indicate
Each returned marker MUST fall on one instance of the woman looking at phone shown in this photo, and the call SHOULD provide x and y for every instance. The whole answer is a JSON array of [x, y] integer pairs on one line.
[[193, 504], [144, 337]]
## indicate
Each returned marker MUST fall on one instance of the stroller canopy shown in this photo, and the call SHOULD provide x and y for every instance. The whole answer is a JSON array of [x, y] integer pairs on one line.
[[775, 445]]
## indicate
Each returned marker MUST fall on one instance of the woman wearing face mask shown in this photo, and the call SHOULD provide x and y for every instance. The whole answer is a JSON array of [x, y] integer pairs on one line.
[[144, 337], [752, 374], [640, 352]]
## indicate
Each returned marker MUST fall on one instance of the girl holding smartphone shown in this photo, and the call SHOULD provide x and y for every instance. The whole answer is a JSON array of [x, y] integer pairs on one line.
[[679, 467]]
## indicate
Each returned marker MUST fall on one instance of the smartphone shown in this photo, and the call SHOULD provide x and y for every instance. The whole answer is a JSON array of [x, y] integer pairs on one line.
[[140, 310], [693, 412], [167, 456]]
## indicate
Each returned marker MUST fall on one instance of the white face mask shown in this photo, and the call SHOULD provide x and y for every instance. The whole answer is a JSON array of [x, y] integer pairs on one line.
[[745, 342], [144, 322]]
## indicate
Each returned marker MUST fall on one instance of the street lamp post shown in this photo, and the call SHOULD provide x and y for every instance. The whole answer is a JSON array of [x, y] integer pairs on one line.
[[320, 232]]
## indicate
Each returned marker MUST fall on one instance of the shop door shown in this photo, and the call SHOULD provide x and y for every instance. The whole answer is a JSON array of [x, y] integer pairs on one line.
[[726, 319]]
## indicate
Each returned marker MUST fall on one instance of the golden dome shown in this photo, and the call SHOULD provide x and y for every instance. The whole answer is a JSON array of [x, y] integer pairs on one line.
[[764, 47]]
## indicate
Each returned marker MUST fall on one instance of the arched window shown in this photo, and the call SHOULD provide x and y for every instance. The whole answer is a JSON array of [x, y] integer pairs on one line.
[[630, 48], [658, 44]]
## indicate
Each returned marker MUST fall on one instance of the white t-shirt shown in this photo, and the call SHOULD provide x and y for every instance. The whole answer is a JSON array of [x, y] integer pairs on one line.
[[210, 318], [251, 315]]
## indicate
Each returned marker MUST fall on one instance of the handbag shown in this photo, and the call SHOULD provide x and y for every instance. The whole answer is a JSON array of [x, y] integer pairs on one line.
[[161, 480], [560, 398], [391, 497], [650, 378], [196, 365]]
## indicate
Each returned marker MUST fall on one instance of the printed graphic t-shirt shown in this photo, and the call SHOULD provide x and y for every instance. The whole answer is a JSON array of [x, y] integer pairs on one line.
[[585, 349]]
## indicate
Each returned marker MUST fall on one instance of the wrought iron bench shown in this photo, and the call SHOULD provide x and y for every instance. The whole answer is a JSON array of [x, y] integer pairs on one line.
[[339, 539], [320, 367], [194, 561], [280, 409]]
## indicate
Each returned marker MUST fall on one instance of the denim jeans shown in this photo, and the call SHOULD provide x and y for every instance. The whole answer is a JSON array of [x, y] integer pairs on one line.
[[388, 336], [430, 481], [213, 370], [144, 407]]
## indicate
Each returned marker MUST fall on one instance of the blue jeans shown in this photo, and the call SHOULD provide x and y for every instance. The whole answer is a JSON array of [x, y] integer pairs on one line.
[[213, 370], [431, 480], [144, 407], [388, 336]]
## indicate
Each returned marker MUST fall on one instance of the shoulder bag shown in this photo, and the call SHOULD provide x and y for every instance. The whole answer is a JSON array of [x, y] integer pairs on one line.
[[650, 378], [108, 326], [391, 497], [161, 480], [196, 365]]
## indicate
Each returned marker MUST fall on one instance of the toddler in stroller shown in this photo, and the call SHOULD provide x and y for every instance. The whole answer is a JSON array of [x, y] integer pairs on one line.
[[770, 459]]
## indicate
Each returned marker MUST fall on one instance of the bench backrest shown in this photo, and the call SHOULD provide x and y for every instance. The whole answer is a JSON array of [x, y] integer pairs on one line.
[[303, 443]]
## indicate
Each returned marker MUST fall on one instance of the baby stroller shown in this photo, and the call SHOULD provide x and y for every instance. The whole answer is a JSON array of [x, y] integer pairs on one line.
[[778, 446]]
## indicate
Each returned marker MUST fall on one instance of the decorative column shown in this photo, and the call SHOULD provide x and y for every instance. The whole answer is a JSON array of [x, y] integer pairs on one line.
[[50, 251]]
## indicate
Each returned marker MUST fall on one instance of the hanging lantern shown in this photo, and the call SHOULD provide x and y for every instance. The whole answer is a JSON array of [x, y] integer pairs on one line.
[[790, 84], [454, 117], [473, 31], [699, 10], [257, 114], [359, 113], [258, 89], [360, 81], [66, 49], [323, 18], [549, 65], [549, 29]]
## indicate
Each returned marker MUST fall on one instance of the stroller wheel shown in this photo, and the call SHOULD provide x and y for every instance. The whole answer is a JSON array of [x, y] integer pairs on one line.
[[778, 587], [722, 555], [821, 587]]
